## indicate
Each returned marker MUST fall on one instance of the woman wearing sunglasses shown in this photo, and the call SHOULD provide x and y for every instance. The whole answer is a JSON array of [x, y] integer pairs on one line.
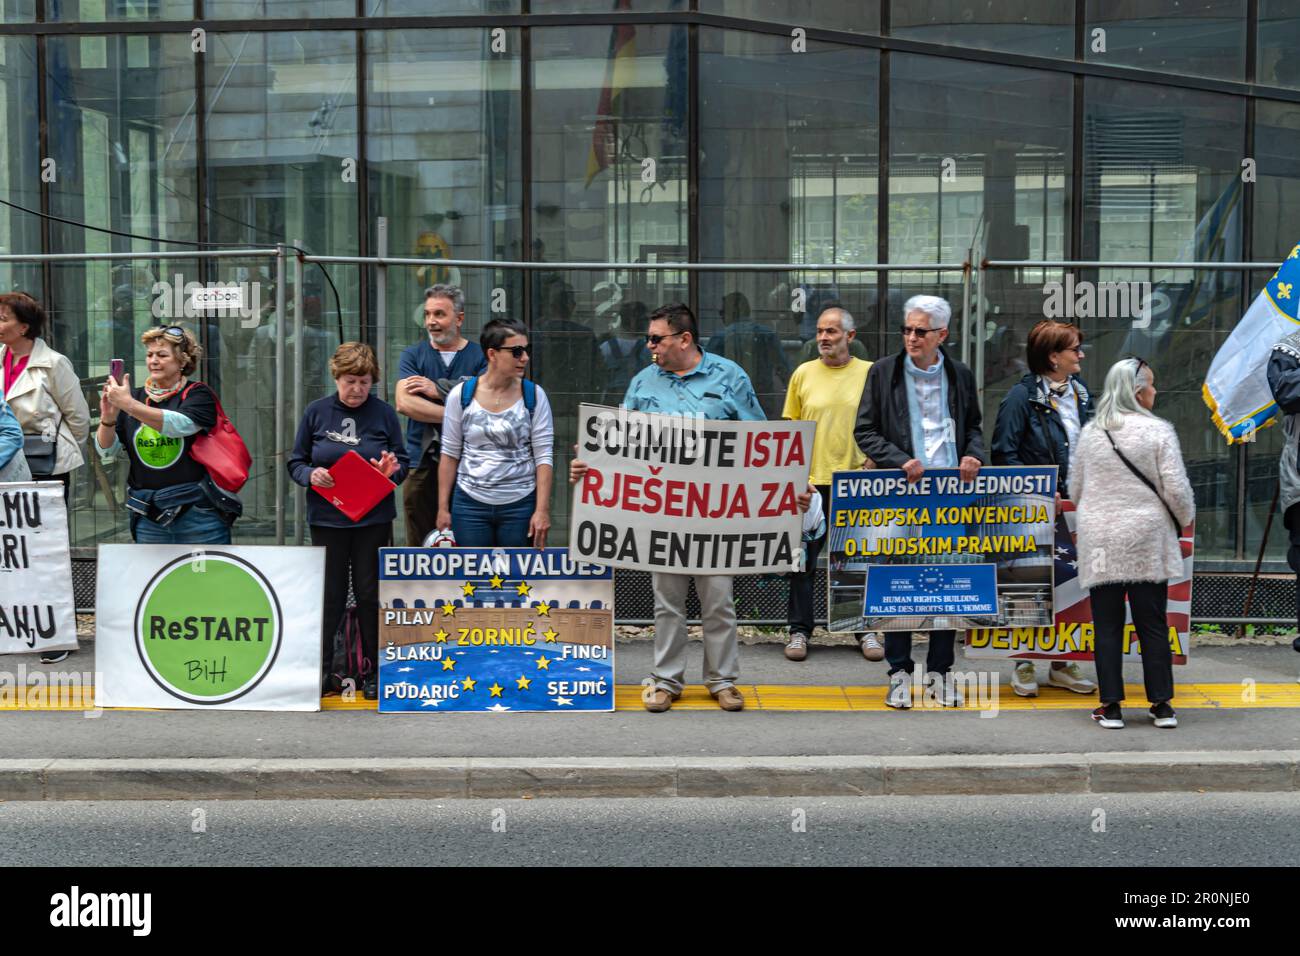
[[1133, 498], [169, 494], [1039, 423], [495, 476]]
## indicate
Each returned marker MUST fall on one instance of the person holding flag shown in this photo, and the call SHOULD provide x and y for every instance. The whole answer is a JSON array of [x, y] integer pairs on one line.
[[1284, 385], [1237, 387], [1256, 376]]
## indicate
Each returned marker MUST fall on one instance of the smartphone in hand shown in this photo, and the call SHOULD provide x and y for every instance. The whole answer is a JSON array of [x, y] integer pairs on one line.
[[116, 369]]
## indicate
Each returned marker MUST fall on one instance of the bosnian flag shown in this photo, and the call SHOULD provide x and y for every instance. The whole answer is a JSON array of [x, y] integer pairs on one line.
[[1073, 606], [1236, 387]]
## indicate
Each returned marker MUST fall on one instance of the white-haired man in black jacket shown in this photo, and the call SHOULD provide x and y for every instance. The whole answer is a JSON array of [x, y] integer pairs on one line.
[[920, 409]]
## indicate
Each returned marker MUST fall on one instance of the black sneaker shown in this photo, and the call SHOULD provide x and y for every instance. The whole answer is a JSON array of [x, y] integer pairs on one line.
[[1164, 715], [54, 657], [1109, 716], [370, 689]]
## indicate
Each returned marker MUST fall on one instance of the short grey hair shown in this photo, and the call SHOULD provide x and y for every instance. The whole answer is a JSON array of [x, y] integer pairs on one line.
[[452, 293], [1119, 396], [846, 320], [938, 309]]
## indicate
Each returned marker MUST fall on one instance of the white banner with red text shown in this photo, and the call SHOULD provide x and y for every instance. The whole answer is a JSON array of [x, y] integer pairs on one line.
[[689, 495]]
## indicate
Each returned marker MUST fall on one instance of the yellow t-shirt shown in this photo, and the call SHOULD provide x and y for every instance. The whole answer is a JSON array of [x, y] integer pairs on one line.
[[829, 397]]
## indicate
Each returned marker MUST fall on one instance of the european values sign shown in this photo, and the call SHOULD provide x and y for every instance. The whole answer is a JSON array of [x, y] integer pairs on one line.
[[498, 630]]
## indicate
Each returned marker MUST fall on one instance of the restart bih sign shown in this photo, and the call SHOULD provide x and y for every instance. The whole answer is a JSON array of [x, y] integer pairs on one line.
[[234, 628]]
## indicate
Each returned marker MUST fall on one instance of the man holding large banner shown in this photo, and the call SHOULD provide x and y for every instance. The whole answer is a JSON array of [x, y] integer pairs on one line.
[[690, 387]]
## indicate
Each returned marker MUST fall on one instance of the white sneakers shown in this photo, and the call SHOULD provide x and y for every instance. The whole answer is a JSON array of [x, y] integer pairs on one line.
[[940, 691], [900, 690], [1024, 680], [1070, 677]]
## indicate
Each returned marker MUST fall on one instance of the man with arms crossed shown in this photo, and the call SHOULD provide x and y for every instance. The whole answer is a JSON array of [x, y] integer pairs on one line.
[[447, 354]]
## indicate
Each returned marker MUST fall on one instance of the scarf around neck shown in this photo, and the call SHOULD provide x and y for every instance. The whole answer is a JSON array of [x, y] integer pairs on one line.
[[157, 394]]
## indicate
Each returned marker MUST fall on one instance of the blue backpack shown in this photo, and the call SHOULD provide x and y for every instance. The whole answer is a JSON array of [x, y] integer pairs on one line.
[[530, 394]]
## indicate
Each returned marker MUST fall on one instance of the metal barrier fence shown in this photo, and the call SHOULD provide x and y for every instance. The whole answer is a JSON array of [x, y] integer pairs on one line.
[[760, 599]]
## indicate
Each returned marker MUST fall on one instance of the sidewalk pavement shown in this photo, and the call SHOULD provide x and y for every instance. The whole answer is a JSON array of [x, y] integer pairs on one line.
[[1233, 735]]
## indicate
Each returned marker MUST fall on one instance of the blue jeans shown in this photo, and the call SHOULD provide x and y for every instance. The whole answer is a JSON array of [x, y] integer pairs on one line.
[[477, 525], [199, 525]]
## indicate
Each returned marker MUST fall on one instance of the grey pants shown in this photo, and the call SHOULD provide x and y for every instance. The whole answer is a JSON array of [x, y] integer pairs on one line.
[[718, 612]]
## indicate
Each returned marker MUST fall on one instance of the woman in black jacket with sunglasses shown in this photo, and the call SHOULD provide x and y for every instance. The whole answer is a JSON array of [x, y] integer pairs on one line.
[[1039, 423]]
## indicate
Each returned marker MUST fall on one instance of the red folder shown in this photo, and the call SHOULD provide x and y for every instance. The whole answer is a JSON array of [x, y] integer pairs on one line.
[[358, 487]]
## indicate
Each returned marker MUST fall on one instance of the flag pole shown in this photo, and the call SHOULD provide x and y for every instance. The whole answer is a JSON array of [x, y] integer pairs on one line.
[[1250, 591]]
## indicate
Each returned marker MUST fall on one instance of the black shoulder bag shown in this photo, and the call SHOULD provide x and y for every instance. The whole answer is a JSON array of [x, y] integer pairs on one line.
[[1178, 529], [40, 451]]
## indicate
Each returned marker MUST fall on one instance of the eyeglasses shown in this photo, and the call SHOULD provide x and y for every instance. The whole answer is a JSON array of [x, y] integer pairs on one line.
[[909, 330], [173, 332], [518, 351], [1076, 349], [656, 339]]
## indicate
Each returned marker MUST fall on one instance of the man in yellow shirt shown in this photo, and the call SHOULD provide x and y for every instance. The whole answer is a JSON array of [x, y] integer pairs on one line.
[[827, 391]]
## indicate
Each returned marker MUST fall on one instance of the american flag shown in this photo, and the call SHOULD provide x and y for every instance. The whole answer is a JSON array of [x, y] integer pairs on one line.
[[1070, 599]]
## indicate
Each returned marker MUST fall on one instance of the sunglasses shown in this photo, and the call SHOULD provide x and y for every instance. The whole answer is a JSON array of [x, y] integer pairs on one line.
[[909, 330], [173, 332], [656, 339], [518, 351]]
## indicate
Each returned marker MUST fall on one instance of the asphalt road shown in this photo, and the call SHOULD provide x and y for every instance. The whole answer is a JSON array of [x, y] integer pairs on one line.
[[1157, 830]]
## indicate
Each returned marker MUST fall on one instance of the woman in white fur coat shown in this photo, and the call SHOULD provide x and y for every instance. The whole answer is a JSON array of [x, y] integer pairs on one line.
[[1127, 542]]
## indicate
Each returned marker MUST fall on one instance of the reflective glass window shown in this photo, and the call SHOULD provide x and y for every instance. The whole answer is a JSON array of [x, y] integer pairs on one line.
[[1194, 37]]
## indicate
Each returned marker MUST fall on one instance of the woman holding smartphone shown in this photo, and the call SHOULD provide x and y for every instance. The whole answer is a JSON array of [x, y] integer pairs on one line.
[[171, 498]]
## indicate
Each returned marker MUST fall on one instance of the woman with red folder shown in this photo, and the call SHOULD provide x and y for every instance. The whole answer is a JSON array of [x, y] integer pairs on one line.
[[351, 421]]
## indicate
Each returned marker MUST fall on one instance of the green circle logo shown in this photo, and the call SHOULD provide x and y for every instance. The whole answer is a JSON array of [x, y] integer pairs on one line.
[[208, 627], [156, 450]]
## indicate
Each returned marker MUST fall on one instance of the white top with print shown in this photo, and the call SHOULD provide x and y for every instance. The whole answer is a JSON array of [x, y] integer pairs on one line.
[[499, 451]]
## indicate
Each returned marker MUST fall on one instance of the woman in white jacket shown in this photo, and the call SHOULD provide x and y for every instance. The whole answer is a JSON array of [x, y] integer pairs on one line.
[[1130, 487], [41, 386], [44, 394]]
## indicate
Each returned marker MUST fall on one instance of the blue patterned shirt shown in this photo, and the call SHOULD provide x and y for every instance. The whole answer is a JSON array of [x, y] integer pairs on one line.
[[716, 389]]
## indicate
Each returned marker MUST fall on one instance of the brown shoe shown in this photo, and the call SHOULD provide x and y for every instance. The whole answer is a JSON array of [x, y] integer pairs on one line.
[[658, 700], [729, 698], [797, 648], [873, 649]]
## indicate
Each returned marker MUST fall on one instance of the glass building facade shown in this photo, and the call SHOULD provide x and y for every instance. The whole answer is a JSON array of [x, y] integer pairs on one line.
[[788, 132]]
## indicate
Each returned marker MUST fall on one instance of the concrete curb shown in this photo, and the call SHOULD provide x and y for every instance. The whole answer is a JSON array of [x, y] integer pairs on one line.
[[507, 777]]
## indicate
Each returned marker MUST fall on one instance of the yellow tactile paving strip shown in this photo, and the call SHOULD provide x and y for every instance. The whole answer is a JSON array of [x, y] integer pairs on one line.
[[802, 697]]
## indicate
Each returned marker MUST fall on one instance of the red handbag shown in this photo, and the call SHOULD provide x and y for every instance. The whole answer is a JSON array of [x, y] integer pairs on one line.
[[221, 451]]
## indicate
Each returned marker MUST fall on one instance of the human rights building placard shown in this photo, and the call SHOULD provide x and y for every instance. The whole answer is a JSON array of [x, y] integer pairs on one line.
[[940, 553]]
